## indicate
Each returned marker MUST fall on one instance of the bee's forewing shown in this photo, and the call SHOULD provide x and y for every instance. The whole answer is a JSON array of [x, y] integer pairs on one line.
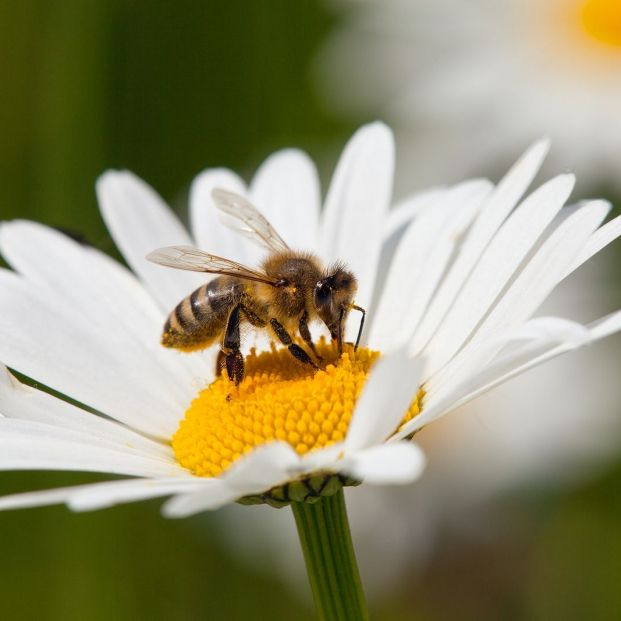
[[195, 260], [181, 257], [239, 214]]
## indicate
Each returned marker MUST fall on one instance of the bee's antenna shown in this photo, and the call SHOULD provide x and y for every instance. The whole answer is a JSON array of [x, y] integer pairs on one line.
[[364, 314], [340, 333]]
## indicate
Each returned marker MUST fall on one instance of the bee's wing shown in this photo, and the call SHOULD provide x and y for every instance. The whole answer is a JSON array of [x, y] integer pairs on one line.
[[242, 216], [195, 260]]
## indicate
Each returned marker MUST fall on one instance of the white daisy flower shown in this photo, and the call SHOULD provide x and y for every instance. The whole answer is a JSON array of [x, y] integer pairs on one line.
[[450, 278], [450, 75]]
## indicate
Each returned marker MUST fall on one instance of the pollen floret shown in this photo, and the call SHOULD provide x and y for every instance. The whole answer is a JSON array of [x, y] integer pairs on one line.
[[278, 400]]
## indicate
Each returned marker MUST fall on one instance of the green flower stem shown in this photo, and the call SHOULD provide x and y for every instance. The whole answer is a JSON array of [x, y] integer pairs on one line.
[[330, 560]]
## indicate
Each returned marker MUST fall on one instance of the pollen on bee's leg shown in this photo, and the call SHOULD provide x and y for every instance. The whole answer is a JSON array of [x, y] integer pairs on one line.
[[278, 399]]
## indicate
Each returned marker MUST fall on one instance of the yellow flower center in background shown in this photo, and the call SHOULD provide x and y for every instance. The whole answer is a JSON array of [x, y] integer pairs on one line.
[[601, 20], [279, 399]]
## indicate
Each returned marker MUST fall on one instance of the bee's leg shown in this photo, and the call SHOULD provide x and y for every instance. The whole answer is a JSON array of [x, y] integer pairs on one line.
[[306, 335], [230, 347], [220, 363], [295, 350], [253, 318], [364, 314]]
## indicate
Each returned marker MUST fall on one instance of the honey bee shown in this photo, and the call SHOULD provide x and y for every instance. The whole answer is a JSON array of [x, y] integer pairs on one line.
[[289, 290]]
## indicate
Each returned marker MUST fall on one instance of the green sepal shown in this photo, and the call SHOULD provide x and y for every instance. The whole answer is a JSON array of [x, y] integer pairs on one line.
[[277, 504], [298, 491], [251, 500], [332, 486], [316, 482]]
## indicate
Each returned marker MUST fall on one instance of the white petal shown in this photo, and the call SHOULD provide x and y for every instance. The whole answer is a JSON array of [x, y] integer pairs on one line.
[[213, 495], [102, 295], [325, 458], [525, 294], [557, 333], [263, 468], [37, 499], [97, 495], [210, 233], [24, 403], [599, 240], [511, 365], [357, 203], [60, 350], [385, 398], [285, 189], [412, 206], [499, 205], [394, 231], [21, 428], [599, 329], [108, 494], [606, 326], [497, 265], [36, 453], [396, 463], [419, 262], [548, 329], [139, 222]]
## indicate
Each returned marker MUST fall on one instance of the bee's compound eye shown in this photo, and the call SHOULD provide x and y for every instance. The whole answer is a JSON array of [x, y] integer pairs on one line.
[[323, 292]]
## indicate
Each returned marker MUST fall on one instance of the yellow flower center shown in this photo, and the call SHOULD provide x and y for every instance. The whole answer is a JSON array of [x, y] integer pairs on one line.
[[601, 20], [279, 399]]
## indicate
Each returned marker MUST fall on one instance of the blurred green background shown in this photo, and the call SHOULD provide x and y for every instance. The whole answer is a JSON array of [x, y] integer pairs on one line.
[[166, 89]]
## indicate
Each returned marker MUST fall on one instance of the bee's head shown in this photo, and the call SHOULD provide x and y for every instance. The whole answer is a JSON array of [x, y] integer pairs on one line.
[[332, 299]]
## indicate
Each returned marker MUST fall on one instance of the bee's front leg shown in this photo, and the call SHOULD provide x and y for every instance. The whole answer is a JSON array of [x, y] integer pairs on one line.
[[234, 360], [294, 349], [306, 335]]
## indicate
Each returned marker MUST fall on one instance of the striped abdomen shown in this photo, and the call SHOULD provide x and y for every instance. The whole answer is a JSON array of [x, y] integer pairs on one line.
[[198, 320]]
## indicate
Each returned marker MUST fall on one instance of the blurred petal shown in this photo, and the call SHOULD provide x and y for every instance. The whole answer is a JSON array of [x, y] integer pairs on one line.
[[213, 495], [103, 495], [420, 260], [525, 294], [502, 201], [209, 232], [98, 495], [267, 466], [395, 463], [411, 207], [599, 240], [510, 365], [501, 259], [285, 189]]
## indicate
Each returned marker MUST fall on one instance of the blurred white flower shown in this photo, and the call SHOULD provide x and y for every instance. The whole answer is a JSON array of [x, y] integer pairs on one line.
[[468, 83]]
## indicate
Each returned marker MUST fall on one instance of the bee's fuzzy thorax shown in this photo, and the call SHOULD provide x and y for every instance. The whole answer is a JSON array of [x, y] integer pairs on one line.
[[297, 273]]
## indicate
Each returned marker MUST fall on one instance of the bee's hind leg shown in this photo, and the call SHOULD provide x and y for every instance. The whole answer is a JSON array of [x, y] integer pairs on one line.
[[306, 335], [233, 359], [294, 349]]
